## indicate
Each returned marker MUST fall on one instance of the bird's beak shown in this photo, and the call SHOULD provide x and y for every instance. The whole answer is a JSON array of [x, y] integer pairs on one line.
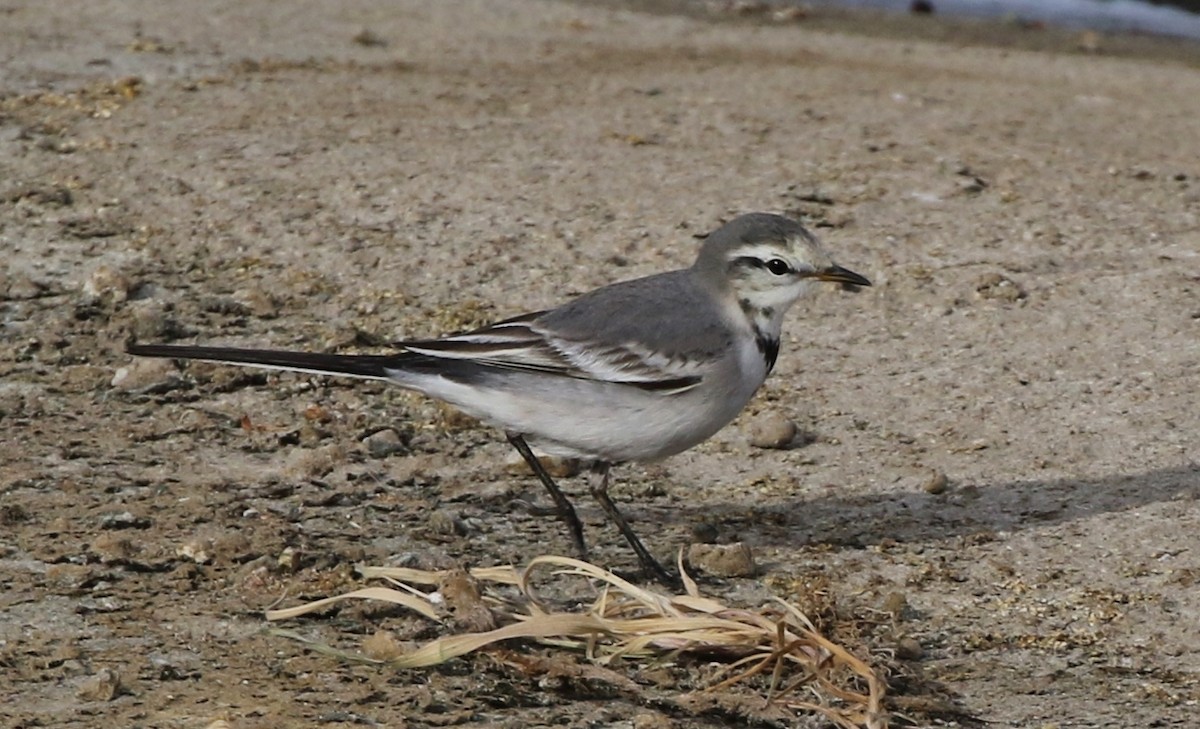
[[837, 274]]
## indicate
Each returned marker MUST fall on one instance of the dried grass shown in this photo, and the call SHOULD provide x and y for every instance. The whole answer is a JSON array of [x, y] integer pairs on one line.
[[775, 645]]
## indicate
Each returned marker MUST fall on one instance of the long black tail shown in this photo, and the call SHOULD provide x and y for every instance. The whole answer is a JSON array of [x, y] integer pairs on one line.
[[372, 366]]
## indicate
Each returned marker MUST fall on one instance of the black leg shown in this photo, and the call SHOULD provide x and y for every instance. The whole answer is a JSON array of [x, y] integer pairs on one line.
[[566, 512], [599, 488]]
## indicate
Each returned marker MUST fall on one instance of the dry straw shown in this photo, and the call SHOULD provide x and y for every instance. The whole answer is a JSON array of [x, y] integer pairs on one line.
[[775, 645]]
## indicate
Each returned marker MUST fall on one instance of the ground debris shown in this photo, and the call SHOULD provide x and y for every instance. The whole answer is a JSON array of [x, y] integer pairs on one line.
[[774, 649]]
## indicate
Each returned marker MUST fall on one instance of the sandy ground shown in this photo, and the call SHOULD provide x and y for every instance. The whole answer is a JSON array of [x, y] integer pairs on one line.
[[323, 175]]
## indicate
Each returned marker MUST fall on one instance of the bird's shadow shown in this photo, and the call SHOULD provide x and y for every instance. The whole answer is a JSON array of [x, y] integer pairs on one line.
[[962, 510]]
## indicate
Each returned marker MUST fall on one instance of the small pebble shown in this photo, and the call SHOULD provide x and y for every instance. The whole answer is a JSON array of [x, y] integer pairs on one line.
[[1089, 41], [723, 560], [382, 645], [123, 520], [108, 285], [147, 376], [110, 547], [104, 685], [937, 483], [465, 601], [998, 287], [20, 287], [383, 443], [57, 196], [367, 37], [652, 720], [447, 522], [196, 549], [288, 560], [309, 436], [909, 649], [555, 466], [233, 546], [225, 305], [790, 14], [70, 576], [174, 667], [257, 302], [66, 652], [149, 320], [771, 430], [705, 532], [313, 462], [895, 603]]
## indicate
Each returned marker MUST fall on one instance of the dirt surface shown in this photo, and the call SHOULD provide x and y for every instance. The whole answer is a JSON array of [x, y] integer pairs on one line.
[[993, 496]]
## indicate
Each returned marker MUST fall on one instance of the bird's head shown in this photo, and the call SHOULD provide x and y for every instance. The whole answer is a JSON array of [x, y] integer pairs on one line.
[[766, 262]]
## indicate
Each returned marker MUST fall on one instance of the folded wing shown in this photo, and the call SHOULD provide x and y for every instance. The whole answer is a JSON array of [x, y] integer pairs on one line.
[[526, 343]]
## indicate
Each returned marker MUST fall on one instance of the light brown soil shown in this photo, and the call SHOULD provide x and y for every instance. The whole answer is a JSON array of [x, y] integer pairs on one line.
[[311, 174]]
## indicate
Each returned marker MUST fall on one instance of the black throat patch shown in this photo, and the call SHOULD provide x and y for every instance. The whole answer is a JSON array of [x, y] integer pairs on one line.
[[769, 348]]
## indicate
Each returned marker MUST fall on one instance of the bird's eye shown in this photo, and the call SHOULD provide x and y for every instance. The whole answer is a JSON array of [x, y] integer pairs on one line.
[[778, 267]]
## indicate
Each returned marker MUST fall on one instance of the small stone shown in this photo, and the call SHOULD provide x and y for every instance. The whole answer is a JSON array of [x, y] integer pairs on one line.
[[148, 319], [104, 685], [383, 443], [790, 14], [971, 184], [649, 720], [313, 462], [20, 287], [110, 547], [123, 520], [78, 378], [83, 227], [224, 305], [367, 37], [108, 285], [174, 667], [747, 7], [315, 413], [1088, 41], [997, 287], [232, 547], [936, 483], [382, 645], [771, 430], [309, 436], [147, 375], [257, 302], [706, 532], [555, 466], [895, 603], [288, 560], [70, 577], [723, 560], [354, 553], [196, 549], [448, 523], [65, 652], [13, 514], [465, 602], [909, 649], [55, 196], [256, 575]]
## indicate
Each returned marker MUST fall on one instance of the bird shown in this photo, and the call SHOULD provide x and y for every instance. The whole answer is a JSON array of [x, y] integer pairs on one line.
[[633, 371]]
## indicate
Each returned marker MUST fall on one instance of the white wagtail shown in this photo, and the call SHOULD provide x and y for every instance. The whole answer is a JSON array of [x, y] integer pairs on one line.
[[633, 371]]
